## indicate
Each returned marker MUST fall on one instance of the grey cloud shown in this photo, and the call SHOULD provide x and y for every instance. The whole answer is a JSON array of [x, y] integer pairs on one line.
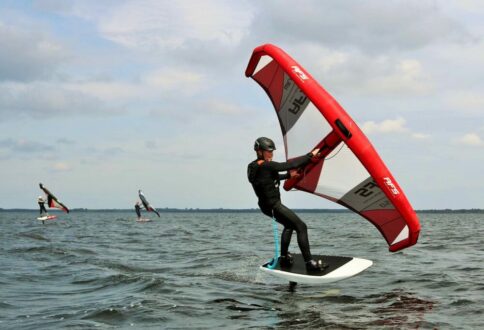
[[65, 141], [207, 54], [363, 28], [24, 146], [150, 144], [55, 6], [371, 26], [368, 26], [28, 55], [113, 151], [43, 100], [102, 153]]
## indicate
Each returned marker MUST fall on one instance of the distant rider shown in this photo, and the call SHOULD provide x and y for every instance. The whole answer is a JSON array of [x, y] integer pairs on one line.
[[263, 174], [41, 202], [137, 208]]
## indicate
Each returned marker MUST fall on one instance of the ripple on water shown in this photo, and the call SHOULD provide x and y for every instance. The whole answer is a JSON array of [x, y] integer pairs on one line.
[[100, 269]]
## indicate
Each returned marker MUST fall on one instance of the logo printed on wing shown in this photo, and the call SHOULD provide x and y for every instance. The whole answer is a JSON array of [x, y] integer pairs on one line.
[[297, 103], [390, 185], [366, 190], [298, 72]]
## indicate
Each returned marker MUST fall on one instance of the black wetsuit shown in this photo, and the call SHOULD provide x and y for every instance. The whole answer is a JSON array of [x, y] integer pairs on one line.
[[137, 209], [265, 179], [42, 207]]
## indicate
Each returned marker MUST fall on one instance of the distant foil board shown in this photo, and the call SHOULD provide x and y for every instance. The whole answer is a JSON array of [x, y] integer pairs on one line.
[[339, 268], [143, 220], [47, 217]]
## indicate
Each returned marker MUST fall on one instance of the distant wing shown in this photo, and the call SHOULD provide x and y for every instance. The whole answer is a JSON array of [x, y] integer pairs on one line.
[[147, 205], [348, 170], [52, 201]]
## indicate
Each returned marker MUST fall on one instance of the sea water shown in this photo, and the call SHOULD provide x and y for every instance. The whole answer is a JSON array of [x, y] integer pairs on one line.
[[200, 270]]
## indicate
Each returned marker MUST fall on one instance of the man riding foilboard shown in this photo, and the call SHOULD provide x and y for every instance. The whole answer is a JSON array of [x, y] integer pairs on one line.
[[264, 175]]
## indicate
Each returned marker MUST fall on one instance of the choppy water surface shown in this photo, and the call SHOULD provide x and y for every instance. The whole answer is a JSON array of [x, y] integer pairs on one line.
[[199, 270]]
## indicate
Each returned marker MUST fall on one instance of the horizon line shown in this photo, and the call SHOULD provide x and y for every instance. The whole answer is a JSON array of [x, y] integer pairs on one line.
[[221, 209]]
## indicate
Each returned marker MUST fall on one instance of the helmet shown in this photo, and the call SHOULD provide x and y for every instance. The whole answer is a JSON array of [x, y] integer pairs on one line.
[[264, 143]]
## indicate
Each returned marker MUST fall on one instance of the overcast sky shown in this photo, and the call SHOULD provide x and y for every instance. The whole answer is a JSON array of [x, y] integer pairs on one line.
[[101, 98]]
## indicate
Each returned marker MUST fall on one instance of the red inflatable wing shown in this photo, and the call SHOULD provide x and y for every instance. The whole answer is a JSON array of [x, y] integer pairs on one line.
[[348, 170]]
